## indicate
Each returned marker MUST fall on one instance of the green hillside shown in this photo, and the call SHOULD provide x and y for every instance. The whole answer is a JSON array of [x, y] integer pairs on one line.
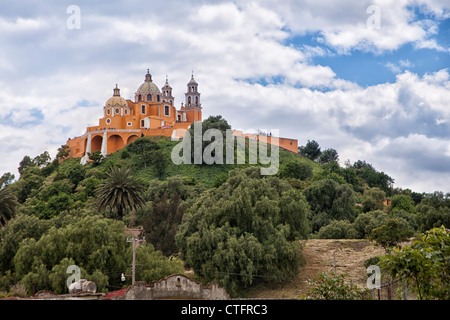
[[224, 222]]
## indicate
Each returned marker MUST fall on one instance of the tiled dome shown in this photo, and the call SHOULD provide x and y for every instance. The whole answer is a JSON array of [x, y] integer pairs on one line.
[[148, 87], [116, 100]]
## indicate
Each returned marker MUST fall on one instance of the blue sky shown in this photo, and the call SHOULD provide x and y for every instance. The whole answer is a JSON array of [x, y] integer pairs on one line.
[[312, 69]]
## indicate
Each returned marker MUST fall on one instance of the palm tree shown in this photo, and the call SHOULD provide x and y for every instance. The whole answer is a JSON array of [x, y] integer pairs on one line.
[[120, 191], [8, 205]]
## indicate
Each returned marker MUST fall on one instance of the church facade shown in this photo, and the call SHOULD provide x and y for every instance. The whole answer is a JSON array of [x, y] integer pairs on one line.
[[152, 113]]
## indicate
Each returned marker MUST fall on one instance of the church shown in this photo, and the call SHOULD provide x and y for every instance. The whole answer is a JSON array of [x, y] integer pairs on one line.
[[152, 113]]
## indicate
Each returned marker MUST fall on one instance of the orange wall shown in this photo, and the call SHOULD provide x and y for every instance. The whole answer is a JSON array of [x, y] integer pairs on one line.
[[288, 144]]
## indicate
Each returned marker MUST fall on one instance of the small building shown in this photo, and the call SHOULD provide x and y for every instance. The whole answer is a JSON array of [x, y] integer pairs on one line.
[[175, 286]]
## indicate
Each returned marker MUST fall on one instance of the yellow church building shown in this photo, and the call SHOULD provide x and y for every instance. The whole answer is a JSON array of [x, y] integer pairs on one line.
[[152, 113]]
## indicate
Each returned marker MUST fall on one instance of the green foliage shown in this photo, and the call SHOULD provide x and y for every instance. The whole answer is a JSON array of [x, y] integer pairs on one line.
[[334, 287], [366, 222], [311, 150], [152, 265], [162, 222], [212, 122], [297, 170], [91, 242], [338, 229], [402, 202], [329, 201], [143, 147], [159, 162], [25, 164], [8, 205], [243, 230], [63, 152], [367, 174], [424, 265], [42, 160], [428, 217], [96, 157], [328, 156], [6, 179], [373, 199], [391, 233], [120, 192]]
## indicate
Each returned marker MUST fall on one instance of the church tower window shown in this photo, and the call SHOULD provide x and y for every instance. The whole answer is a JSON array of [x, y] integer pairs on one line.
[[166, 110], [149, 97]]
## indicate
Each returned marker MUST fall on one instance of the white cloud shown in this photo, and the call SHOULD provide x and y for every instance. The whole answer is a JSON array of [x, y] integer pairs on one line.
[[233, 49]]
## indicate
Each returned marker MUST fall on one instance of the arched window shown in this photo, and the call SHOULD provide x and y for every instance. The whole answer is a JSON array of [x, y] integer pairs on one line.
[[189, 100], [157, 98], [196, 100], [149, 97], [140, 98]]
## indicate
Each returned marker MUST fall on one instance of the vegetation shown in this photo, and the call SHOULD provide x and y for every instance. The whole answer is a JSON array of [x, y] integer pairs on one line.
[[228, 223], [424, 265], [334, 287], [245, 229]]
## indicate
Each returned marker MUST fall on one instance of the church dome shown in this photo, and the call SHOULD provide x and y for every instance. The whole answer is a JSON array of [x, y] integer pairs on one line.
[[116, 100], [148, 87]]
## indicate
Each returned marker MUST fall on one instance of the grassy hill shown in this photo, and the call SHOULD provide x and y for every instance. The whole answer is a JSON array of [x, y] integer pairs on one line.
[[207, 175]]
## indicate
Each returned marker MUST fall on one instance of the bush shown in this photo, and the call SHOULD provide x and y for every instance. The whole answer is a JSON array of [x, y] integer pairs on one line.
[[333, 287], [338, 229]]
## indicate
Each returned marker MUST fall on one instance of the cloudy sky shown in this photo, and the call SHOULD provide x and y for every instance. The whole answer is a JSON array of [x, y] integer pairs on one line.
[[367, 78]]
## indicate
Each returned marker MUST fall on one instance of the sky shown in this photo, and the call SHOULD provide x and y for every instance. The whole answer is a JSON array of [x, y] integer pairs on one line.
[[369, 79]]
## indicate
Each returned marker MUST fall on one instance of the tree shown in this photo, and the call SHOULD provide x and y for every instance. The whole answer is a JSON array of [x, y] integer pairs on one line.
[[244, 230], [162, 222], [329, 155], [6, 179], [368, 175], [402, 202], [25, 164], [120, 191], [329, 200], [296, 170], [63, 152], [373, 199], [159, 162], [311, 150], [96, 157], [92, 242], [143, 147], [391, 233], [212, 122], [42, 160], [424, 265], [8, 205], [338, 229]]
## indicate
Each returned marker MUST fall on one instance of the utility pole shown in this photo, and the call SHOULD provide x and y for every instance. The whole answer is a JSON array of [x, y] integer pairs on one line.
[[133, 240]]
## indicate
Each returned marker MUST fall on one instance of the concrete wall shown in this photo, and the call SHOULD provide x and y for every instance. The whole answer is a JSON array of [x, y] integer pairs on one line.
[[175, 286]]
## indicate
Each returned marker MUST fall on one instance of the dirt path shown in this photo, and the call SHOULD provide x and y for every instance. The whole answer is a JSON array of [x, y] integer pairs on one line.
[[319, 256]]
